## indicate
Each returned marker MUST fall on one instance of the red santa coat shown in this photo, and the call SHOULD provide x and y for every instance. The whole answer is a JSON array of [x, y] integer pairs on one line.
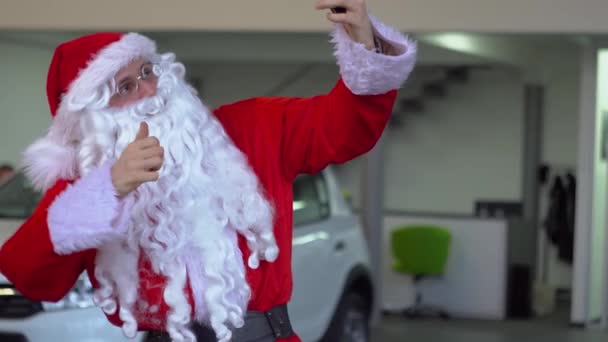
[[281, 137]]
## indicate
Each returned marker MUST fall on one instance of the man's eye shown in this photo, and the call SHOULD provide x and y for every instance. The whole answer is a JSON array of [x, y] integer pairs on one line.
[[146, 71], [126, 88]]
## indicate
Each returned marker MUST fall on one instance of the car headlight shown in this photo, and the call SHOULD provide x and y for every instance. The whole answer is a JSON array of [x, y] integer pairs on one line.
[[79, 297]]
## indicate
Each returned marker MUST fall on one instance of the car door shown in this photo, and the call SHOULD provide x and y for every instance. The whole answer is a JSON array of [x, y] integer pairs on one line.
[[317, 272]]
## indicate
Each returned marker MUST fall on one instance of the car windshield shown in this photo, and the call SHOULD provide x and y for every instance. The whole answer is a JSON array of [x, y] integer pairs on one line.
[[18, 198]]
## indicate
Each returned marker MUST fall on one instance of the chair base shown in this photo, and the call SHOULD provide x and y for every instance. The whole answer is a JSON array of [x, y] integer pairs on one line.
[[425, 311], [421, 310]]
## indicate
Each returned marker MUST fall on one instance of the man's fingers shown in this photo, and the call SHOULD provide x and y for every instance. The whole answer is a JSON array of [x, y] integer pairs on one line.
[[145, 143], [152, 164], [341, 10], [339, 18], [149, 176], [329, 4], [143, 131], [150, 152], [144, 176]]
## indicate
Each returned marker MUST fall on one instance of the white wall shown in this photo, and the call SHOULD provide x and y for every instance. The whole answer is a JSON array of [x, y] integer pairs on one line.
[[24, 113], [463, 147], [474, 282], [468, 145], [228, 82], [560, 127]]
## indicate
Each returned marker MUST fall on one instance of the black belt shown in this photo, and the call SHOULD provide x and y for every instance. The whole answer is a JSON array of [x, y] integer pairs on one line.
[[259, 327]]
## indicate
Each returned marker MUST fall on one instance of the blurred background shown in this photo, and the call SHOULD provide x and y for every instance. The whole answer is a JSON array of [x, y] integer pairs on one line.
[[497, 141]]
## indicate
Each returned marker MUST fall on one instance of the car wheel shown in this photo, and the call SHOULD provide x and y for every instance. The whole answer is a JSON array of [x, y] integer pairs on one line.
[[351, 322]]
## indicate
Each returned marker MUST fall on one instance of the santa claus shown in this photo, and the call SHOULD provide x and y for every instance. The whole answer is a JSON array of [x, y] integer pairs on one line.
[[181, 216]]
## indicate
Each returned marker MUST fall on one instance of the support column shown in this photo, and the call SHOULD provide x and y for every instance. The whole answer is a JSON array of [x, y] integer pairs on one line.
[[372, 201], [524, 248], [583, 234]]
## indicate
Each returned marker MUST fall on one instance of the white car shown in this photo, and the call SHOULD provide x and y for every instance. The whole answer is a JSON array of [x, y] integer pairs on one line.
[[332, 295]]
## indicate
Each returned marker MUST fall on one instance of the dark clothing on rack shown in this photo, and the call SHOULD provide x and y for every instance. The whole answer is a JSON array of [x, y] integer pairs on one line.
[[559, 222]]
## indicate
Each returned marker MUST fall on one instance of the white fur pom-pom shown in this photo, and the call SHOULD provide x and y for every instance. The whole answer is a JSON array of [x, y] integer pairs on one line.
[[45, 162]]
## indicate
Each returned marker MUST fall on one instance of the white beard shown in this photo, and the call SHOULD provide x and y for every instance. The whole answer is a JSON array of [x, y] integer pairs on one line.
[[187, 222]]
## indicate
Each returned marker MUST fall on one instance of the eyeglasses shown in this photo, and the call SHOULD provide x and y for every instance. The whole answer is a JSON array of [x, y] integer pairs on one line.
[[129, 86]]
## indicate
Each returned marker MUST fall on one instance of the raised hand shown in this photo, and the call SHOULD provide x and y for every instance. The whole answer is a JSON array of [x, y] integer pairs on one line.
[[355, 19], [138, 163]]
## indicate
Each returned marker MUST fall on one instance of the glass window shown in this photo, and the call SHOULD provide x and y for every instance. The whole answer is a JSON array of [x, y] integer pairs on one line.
[[18, 199], [310, 199]]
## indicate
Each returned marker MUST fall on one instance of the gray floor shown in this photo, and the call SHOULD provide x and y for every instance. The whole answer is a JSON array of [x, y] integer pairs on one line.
[[554, 329]]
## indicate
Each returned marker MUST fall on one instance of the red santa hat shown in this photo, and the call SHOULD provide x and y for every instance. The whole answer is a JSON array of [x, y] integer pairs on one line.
[[78, 70]]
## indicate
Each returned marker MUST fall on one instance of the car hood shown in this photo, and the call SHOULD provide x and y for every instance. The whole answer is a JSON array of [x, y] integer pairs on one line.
[[7, 228]]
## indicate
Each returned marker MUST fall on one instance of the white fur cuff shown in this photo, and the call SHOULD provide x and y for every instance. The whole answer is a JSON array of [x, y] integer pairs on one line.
[[87, 214], [366, 72]]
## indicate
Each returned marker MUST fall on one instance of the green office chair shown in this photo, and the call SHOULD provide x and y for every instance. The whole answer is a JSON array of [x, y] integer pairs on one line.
[[421, 251]]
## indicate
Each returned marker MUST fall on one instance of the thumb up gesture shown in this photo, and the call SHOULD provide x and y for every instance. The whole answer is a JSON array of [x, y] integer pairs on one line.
[[138, 163]]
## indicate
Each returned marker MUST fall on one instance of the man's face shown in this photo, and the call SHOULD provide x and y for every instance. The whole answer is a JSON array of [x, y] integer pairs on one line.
[[133, 83]]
